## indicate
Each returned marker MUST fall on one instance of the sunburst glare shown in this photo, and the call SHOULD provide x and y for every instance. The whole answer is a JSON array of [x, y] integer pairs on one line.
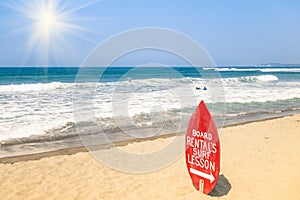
[[50, 23]]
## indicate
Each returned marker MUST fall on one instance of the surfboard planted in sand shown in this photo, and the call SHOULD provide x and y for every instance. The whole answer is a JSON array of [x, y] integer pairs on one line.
[[202, 150]]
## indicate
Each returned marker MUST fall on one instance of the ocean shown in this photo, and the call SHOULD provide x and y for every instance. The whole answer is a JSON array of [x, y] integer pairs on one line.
[[37, 103]]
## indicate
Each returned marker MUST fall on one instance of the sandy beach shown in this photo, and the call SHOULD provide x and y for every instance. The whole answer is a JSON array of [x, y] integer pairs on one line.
[[260, 160]]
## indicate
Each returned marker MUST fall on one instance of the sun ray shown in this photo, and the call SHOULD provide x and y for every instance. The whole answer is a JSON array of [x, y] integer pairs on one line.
[[82, 6], [49, 23], [82, 37]]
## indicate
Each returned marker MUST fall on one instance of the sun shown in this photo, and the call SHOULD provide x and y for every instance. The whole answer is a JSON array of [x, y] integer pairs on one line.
[[47, 21], [50, 25]]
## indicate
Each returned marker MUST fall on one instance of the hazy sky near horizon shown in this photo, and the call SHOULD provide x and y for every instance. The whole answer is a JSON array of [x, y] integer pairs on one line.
[[233, 32]]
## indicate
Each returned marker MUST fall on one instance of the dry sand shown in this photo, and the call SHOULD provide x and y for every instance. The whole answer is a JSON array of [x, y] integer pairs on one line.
[[260, 160]]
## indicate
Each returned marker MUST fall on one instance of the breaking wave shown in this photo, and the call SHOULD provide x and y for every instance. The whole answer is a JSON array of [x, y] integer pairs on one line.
[[35, 87], [250, 79]]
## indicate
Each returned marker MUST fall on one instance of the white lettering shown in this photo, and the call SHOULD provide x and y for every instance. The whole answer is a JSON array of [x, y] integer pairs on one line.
[[200, 134], [201, 162]]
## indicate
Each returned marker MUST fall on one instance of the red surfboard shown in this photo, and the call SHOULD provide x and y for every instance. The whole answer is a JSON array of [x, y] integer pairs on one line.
[[202, 152]]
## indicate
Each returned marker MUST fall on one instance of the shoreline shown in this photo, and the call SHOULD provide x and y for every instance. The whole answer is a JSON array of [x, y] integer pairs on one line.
[[68, 130], [35, 154], [74, 150]]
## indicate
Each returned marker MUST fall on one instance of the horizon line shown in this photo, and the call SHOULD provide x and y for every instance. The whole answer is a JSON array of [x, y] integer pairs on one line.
[[78, 66]]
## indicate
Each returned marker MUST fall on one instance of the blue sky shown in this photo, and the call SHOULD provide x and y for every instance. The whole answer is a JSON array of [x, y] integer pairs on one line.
[[233, 32]]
